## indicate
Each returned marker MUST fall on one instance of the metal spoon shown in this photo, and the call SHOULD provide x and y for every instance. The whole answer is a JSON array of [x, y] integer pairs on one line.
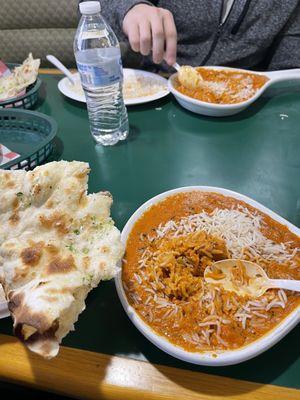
[[61, 67], [252, 282], [176, 66]]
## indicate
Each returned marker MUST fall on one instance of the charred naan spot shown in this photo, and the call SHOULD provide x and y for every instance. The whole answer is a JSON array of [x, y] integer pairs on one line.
[[32, 255], [43, 330], [9, 183], [52, 249], [105, 249], [36, 190], [61, 266], [49, 204], [62, 290], [83, 201], [82, 175], [50, 299], [20, 273], [15, 203], [56, 221], [14, 218], [82, 197], [15, 300], [86, 262], [107, 194], [23, 315]]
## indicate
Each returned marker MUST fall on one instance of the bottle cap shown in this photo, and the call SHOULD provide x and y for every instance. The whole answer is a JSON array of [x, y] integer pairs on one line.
[[90, 7]]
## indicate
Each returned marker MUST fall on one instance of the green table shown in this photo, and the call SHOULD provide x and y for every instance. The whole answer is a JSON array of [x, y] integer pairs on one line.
[[256, 153]]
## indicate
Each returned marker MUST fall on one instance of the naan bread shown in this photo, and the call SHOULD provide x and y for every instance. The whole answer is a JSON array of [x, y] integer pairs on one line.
[[56, 244], [21, 77]]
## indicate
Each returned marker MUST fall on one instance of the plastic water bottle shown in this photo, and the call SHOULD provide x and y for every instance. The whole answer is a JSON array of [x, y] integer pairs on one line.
[[98, 59]]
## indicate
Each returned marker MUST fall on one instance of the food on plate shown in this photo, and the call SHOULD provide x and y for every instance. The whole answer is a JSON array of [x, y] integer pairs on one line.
[[134, 86], [56, 244], [141, 86], [21, 77], [171, 245], [220, 86], [76, 87]]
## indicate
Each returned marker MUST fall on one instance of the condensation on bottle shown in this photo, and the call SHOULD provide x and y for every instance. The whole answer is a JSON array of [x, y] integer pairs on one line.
[[98, 58]]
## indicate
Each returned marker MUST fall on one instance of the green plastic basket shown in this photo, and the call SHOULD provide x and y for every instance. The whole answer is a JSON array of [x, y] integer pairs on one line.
[[27, 100], [29, 134]]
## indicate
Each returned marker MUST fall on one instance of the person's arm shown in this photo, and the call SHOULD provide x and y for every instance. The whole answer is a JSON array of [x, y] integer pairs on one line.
[[114, 11], [147, 27], [124, 6], [153, 29], [286, 51]]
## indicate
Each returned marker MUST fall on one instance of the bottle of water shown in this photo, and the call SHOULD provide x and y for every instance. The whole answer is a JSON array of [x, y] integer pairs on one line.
[[98, 59]]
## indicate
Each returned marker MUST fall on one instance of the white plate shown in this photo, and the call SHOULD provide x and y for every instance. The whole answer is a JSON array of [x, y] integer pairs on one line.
[[65, 87], [228, 357]]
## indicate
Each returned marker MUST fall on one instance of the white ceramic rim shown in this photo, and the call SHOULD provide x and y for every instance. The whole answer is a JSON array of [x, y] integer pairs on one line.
[[229, 357], [65, 88], [213, 106]]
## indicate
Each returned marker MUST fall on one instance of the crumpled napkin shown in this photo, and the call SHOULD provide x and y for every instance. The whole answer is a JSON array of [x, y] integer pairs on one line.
[[6, 155]]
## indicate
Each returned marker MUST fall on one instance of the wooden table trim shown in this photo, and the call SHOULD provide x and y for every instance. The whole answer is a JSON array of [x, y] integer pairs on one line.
[[89, 375], [54, 71]]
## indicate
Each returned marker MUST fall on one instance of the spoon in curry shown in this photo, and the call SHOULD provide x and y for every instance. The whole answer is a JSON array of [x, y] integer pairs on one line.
[[245, 278]]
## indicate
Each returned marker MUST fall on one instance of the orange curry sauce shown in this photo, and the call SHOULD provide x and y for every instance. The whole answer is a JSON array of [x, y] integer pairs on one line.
[[175, 300], [224, 87]]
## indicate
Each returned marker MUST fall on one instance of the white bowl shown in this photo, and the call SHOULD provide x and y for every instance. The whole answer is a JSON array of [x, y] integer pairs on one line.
[[227, 357], [224, 110]]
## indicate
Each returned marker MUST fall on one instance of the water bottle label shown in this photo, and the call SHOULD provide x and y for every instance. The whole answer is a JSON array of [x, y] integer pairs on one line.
[[96, 34], [93, 75]]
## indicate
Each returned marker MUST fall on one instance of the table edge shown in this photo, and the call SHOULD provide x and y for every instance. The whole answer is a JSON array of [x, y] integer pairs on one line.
[[85, 374], [54, 71]]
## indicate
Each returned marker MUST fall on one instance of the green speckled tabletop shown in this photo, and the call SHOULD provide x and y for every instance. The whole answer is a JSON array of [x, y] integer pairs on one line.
[[256, 153]]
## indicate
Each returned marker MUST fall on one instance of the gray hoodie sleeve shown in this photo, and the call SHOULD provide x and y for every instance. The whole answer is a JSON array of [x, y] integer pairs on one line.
[[114, 12], [286, 52], [122, 7]]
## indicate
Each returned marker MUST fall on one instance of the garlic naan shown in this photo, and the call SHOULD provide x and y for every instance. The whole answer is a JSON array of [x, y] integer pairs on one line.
[[56, 244], [21, 77]]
